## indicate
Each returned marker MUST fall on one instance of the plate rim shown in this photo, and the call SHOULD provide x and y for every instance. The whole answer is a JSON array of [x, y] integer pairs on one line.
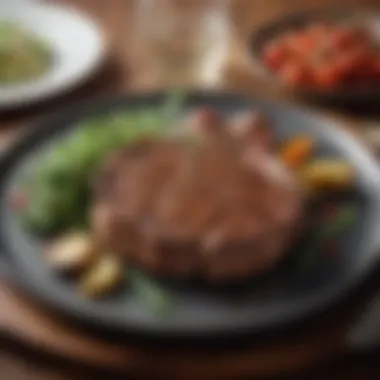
[[29, 97]]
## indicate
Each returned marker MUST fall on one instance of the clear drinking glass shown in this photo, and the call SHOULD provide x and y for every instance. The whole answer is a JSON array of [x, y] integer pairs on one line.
[[185, 41]]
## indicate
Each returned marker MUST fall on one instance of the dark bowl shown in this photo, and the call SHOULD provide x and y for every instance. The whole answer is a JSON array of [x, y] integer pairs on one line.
[[341, 96], [286, 296]]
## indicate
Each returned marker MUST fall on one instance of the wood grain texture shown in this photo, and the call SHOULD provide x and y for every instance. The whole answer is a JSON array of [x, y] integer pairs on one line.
[[24, 320]]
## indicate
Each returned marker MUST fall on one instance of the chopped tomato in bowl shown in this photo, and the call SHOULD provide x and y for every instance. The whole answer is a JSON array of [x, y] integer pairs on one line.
[[333, 55], [324, 56]]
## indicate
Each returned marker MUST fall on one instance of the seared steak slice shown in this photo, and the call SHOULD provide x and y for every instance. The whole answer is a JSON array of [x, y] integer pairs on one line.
[[220, 206]]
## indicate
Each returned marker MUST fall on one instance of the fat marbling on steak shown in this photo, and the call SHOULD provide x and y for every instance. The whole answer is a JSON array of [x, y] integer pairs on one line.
[[212, 202]]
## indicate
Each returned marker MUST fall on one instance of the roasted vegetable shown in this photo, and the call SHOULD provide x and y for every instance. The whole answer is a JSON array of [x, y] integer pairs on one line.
[[297, 151], [328, 174], [103, 277], [71, 253]]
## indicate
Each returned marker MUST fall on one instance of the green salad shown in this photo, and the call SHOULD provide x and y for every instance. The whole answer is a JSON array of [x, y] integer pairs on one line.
[[59, 191], [23, 56]]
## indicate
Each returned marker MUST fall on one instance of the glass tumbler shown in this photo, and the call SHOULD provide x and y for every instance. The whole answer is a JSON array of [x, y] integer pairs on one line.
[[185, 41]]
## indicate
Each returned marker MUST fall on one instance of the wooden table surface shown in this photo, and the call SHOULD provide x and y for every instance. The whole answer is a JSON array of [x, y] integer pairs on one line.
[[123, 72]]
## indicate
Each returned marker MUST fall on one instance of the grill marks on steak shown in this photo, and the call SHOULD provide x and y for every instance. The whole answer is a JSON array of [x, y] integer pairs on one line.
[[221, 207], [126, 191]]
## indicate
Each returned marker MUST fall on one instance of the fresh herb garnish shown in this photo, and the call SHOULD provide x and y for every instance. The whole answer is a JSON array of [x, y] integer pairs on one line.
[[59, 192], [151, 294]]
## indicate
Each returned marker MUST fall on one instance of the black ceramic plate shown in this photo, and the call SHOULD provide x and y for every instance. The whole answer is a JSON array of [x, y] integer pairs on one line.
[[300, 20], [284, 296]]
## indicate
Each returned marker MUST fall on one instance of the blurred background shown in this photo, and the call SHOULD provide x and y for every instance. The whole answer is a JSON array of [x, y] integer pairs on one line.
[[144, 45]]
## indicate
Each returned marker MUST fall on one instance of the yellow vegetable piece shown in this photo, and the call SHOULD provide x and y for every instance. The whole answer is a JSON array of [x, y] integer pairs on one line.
[[328, 174], [297, 151], [71, 253], [103, 278]]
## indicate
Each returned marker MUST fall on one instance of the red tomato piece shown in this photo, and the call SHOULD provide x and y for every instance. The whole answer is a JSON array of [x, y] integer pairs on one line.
[[326, 76], [275, 55], [342, 37], [360, 56], [293, 73], [303, 44]]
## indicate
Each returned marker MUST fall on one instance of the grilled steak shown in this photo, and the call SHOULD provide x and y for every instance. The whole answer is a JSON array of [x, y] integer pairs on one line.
[[214, 201]]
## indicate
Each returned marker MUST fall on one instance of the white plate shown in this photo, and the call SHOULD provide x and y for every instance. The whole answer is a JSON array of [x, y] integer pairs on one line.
[[76, 42]]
